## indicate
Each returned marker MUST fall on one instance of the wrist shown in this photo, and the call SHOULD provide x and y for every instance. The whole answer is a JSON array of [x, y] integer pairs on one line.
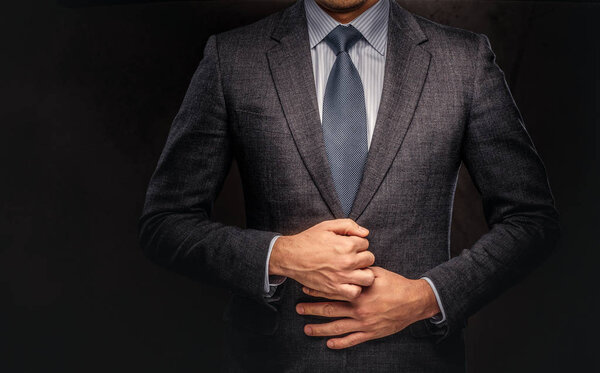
[[278, 257], [427, 300]]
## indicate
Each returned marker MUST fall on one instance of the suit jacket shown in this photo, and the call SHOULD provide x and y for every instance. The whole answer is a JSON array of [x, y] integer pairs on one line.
[[444, 100]]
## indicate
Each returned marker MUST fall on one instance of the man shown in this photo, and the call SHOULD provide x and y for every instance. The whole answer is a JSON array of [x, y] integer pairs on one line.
[[349, 120]]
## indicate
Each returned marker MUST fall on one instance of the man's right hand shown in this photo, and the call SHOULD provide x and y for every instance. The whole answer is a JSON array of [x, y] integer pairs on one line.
[[331, 257]]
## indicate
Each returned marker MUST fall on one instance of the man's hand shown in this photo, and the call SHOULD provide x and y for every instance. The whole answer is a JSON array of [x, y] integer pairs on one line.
[[391, 304], [331, 257]]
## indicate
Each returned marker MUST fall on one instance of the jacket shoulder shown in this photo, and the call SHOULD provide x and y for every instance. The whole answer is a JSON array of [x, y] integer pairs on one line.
[[253, 36], [449, 40]]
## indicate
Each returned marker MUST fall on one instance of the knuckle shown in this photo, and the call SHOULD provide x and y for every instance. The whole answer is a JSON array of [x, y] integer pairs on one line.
[[341, 291], [328, 310], [352, 243], [368, 323], [363, 325], [350, 224], [349, 244], [347, 294], [360, 312], [346, 262], [340, 246], [359, 243], [351, 261], [355, 292]]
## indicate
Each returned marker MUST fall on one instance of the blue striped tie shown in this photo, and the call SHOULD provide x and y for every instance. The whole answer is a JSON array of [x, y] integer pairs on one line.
[[345, 117]]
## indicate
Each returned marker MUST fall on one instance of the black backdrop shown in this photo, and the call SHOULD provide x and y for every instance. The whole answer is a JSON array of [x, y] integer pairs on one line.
[[89, 90]]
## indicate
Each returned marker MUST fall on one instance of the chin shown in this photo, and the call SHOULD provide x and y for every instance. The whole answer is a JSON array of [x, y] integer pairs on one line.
[[341, 5]]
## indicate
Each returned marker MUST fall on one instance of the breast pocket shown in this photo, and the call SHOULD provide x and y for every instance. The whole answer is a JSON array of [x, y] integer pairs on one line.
[[265, 150]]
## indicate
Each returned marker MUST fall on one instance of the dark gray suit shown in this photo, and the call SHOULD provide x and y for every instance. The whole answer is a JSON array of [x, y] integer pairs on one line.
[[444, 101]]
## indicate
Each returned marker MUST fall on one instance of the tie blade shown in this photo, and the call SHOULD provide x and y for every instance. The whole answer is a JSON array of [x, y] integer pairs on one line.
[[345, 128]]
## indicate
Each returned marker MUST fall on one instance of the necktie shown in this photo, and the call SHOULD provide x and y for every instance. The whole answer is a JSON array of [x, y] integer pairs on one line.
[[345, 117]]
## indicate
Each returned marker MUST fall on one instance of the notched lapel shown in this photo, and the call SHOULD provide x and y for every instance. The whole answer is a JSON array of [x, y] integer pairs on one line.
[[406, 68], [291, 68]]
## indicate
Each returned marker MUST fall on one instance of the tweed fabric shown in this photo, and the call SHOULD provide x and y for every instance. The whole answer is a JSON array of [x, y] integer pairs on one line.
[[444, 101]]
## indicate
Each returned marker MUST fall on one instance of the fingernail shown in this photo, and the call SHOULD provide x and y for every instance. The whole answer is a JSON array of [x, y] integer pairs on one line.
[[308, 330], [300, 309], [330, 343]]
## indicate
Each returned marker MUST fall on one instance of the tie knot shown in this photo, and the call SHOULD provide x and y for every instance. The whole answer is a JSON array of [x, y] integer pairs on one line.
[[342, 38]]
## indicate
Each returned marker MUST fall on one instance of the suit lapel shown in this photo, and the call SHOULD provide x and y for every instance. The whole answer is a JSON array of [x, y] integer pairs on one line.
[[291, 67], [406, 68], [405, 72]]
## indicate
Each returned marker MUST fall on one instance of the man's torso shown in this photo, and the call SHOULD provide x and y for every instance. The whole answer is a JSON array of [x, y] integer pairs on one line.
[[405, 199]]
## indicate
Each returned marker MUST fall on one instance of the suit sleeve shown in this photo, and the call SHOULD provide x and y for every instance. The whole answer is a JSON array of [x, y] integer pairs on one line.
[[175, 229], [517, 201]]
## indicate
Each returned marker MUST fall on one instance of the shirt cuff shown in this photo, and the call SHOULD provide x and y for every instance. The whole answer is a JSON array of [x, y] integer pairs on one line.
[[271, 281], [440, 317]]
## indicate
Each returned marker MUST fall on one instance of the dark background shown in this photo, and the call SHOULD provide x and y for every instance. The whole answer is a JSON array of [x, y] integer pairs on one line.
[[88, 93]]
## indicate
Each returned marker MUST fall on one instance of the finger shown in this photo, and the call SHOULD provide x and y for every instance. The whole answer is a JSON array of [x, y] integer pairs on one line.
[[349, 340], [346, 227], [336, 327], [365, 259], [320, 294], [359, 243], [327, 309], [362, 277], [347, 292]]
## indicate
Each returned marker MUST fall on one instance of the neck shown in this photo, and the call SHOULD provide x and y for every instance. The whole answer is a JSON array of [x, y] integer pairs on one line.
[[348, 14]]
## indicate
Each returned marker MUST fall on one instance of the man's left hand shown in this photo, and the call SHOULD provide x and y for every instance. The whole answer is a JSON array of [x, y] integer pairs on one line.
[[389, 305]]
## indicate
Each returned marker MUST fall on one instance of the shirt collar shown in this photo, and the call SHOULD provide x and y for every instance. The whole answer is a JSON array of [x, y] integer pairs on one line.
[[372, 24]]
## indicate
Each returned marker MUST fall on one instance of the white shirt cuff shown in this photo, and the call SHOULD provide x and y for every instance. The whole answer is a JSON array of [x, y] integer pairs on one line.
[[440, 317], [271, 281]]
